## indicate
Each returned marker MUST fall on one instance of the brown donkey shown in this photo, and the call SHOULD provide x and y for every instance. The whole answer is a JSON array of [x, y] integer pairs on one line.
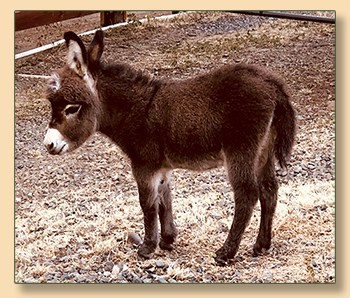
[[239, 116]]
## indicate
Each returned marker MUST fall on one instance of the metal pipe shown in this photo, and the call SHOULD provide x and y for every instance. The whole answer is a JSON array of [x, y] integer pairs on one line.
[[286, 16]]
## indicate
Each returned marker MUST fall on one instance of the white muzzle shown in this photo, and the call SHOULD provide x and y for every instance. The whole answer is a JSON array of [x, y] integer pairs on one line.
[[54, 142]]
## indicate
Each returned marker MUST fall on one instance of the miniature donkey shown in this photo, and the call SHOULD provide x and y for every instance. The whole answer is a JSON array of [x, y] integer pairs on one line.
[[239, 116]]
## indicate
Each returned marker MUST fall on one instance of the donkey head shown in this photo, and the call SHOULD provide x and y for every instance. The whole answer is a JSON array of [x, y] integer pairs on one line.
[[73, 96]]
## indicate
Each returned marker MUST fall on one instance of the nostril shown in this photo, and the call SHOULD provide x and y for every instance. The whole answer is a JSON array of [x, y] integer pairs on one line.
[[49, 146]]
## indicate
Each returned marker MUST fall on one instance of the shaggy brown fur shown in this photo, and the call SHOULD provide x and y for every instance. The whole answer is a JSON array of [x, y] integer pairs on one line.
[[238, 115]]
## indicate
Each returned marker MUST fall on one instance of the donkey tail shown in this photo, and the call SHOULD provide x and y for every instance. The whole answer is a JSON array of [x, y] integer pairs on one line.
[[285, 125]]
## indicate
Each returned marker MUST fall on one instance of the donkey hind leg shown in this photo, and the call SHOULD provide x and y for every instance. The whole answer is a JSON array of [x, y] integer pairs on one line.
[[168, 229], [246, 192], [148, 197], [268, 200]]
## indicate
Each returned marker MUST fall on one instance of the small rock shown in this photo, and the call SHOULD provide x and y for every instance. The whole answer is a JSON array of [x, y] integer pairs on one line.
[[120, 278], [63, 259], [208, 278], [105, 280], [91, 278], [222, 277], [199, 260], [72, 271], [221, 203], [109, 266], [117, 269], [162, 280], [49, 277], [133, 238], [297, 170], [223, 228], [150, 269], [128, 276], [160, 264], [315, 265], [80, 278], [65, 276]]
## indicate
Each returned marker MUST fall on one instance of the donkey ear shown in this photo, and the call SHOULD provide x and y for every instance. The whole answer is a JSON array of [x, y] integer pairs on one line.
[[96, 47], [77, 57]]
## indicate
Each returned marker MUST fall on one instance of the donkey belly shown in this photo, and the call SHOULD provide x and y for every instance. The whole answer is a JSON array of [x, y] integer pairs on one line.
[[195, 162], [194, 145]]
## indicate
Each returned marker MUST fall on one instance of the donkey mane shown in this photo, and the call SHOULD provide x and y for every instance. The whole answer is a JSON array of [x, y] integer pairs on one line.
[[130, 79]]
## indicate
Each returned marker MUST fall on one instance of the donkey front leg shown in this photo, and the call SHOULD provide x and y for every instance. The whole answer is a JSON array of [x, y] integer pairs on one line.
[[148, 197], [168, 229]]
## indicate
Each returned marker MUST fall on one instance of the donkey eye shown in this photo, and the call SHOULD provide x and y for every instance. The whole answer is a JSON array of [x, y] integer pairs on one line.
[[72, 109]]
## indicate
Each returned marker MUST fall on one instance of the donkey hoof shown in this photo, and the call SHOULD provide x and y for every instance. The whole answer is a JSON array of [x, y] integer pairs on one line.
[[224, 256], [258, 251], [221, 258], [145, 252], [143, 256], [220, 261], [166, 246], [260, 248]]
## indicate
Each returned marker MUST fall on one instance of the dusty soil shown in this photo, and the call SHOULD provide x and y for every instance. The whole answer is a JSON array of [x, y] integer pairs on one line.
[[74, 213], [38, 36]]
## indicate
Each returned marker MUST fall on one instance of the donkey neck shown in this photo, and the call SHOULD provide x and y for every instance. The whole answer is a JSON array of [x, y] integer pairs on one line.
[[126, 96]]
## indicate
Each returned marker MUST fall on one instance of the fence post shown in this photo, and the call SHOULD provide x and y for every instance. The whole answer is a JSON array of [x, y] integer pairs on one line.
[[112, 17]]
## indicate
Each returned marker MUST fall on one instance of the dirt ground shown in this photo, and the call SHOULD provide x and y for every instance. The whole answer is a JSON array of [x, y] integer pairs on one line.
[[42, 35], [74, 213]]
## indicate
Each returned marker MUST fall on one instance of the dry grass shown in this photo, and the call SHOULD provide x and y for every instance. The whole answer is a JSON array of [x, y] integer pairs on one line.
[[74, 230], [74, 213]]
